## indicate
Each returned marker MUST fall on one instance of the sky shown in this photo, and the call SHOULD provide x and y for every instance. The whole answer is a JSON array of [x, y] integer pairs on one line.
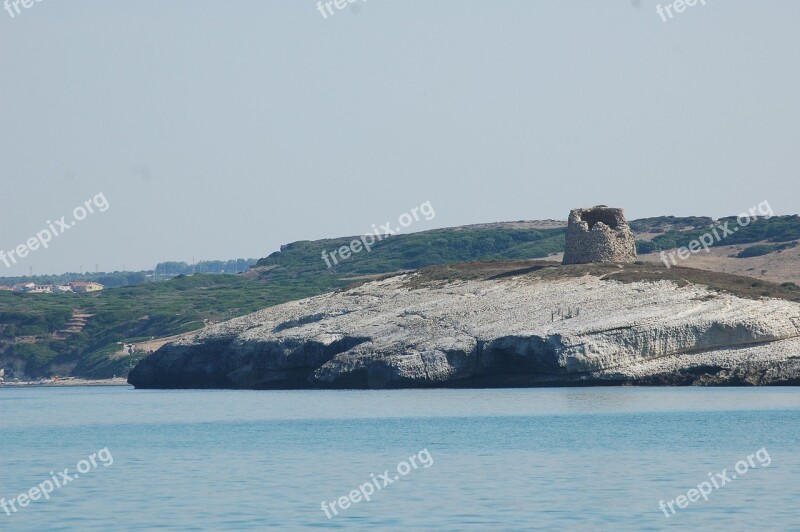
[[219, 130]]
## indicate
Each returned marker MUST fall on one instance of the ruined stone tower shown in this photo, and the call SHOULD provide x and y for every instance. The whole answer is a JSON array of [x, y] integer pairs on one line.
[[599, 234]]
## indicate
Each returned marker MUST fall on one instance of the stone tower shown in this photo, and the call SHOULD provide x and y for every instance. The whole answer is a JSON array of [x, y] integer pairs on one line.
[[599, 234]]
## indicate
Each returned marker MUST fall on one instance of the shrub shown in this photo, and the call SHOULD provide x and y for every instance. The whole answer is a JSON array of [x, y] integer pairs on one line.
[[756, 251]]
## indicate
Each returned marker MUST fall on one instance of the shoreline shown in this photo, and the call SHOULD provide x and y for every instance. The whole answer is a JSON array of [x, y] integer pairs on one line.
[[54, 383]]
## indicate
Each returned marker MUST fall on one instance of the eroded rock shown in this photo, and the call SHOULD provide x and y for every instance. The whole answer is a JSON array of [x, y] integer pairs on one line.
[[386, 334]]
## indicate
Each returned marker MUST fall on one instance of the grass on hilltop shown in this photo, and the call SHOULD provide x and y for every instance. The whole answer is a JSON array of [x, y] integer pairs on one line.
[[745, 287]]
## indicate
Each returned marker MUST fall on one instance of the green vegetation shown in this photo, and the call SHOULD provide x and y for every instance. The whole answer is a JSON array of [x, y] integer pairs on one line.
[[663, 224], [764, 249], [122, 314], [416, 250], [204, 266], [103, 364], [775, 229], [36, 356]]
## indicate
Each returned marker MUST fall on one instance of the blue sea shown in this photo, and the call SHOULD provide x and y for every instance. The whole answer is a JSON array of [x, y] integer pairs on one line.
[[516, 459]]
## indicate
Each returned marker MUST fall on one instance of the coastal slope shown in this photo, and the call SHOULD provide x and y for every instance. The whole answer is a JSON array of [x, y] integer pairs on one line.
[[508, 324]]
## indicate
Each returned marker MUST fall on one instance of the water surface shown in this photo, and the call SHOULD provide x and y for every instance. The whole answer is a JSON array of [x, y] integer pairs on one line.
[[522, 459]]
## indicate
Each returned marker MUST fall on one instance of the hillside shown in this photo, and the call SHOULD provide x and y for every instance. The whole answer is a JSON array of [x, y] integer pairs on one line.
[[36, 339], [532, 240]]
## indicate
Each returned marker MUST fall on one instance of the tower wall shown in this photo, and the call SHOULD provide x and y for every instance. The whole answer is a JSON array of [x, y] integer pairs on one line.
[[599, 234]]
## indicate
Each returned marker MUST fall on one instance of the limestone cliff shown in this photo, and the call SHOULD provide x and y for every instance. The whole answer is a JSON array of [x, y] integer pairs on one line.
[[509, 331]]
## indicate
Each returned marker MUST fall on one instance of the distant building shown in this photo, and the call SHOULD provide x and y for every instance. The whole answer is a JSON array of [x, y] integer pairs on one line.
[[80, 286], [23, 287], [40, 289], [32, 288]]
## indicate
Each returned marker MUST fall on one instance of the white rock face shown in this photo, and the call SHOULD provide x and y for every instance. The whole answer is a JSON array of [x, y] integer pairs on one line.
[[480, 333]]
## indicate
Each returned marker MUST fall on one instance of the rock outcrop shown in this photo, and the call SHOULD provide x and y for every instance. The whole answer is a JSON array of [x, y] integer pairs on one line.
[[511, 331], [599, 234]]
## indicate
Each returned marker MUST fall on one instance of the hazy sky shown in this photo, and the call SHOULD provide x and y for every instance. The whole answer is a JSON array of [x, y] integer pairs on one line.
[[219, 130]]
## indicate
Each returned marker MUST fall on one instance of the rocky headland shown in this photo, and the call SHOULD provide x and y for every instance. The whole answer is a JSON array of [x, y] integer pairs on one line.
[[517, 323]]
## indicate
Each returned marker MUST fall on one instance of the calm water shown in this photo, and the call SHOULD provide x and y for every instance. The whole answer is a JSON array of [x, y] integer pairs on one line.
[[574, 459]]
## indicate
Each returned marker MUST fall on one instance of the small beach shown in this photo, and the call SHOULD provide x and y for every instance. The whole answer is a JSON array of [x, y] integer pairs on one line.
[[68, 381]]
